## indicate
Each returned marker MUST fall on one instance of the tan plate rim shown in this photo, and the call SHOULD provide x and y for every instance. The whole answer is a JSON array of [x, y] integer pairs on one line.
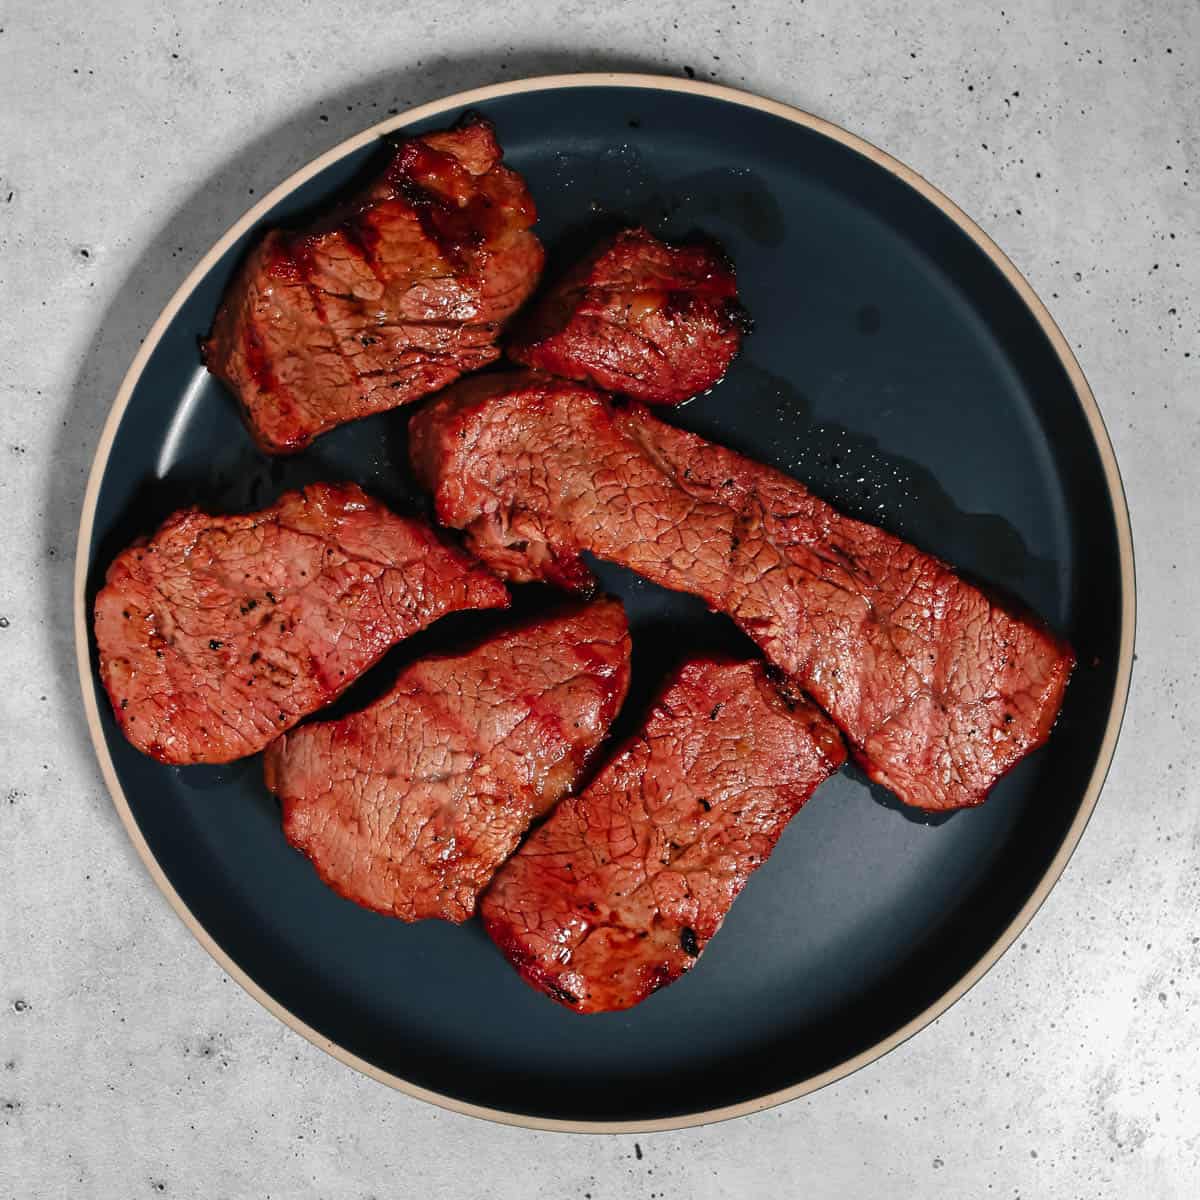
[[1049, 328]]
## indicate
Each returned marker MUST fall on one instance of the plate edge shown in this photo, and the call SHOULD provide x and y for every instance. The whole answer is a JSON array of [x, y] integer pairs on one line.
[[1062, 351]]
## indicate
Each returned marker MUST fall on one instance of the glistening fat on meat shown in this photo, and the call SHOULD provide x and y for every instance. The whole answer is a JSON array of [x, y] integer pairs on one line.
[[221, 632], [409, 806], [621, 889], [938, 689]]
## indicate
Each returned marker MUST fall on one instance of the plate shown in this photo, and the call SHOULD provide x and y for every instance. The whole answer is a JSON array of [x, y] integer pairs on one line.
[[904, 370]]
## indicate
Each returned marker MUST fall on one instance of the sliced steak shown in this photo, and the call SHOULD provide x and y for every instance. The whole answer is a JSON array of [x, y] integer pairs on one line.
[[409, 806], [621, 889], [219, 633], [938, 689], [656, 322], [392, 296]]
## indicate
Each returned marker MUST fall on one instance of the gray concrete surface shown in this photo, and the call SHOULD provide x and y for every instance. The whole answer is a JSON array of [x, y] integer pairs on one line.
[[131, 135]]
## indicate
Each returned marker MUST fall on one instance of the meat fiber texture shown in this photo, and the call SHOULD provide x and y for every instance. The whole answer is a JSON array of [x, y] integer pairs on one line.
[[409, 806], [656, 322], [938, 689], [219, 633], [392, 296], [618, 893]]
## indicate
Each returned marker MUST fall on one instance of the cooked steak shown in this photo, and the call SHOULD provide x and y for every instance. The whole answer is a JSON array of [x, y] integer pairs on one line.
[[392, 296], [618, 893], [938, 689], [409, 806], [656, 322], [219, 633]]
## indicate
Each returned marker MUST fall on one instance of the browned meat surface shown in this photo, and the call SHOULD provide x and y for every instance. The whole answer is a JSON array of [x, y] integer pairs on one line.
[[938, 689], [409, 806], [618, 893], [219, 633], [656, 322], [393, 296]]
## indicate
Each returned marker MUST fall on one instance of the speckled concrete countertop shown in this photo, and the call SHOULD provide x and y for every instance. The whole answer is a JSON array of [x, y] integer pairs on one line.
[[131, 136]]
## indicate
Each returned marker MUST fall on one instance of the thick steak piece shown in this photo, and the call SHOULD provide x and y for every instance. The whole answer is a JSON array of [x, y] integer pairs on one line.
[[219, 633], [621, 889], [656, 322], [409, 806], [938, 689], [393, 295]]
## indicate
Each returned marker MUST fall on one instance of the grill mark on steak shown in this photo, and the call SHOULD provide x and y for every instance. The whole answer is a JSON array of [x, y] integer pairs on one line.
[[656, 322], [220, 632], [392, 295], [409, 806], [919, 669], [619, 891]]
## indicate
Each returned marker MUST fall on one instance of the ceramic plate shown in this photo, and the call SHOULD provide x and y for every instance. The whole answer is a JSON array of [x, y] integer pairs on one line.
[[902, 368]]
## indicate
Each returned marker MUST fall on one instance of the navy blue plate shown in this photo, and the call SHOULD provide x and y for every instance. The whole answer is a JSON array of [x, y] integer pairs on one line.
[[902, 369]]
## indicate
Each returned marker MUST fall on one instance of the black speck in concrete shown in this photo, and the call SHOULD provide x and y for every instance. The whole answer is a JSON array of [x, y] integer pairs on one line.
[[84, 252], [637, 1149], [20, 1006], [4, 622], [323, 117], [868, 319], [689, 72]]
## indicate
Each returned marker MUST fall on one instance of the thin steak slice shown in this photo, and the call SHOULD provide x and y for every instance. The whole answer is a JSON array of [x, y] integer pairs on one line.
[[409, 806], [393, 295], [938, 689], [656, 322], [621, 889], [219, 633]]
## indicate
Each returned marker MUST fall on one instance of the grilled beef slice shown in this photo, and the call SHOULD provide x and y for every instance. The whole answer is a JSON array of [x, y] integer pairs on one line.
[[409, 806], [390, 297], [938, 689], [655, 322], [219, 633], [621, 889]]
